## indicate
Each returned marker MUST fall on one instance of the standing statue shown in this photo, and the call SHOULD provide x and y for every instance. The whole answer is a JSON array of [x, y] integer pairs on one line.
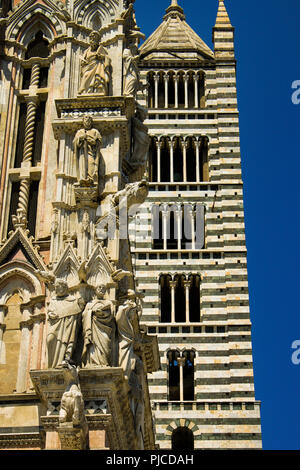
[[141, 138], [124, 318], [87, 143], [131, 74], [99, 330], [95, 68], [64, 311]]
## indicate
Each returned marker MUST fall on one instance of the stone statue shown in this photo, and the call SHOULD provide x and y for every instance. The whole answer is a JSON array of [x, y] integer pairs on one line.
[[99, 330], [135, 193], [131, 74], [130, 362], [124, 318], [141, 138], [72, 404], [64, 311], [95, 68], [87, 143]]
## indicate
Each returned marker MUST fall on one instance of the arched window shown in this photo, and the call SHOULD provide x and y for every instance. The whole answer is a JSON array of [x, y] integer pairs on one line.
[[174, 376], [181, 376], [165, 298], [182, 439], [194, 298], [180, 302], [188, 376], [165, 161], [29, 144], [177, 160], [39, 47]]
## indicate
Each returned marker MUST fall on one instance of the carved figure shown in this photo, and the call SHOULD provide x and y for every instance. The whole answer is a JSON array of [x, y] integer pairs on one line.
[[99, 331], [135, 193], [72, 404], [141, 138], [131, 74], [87, 143], [63, 321], [95, 68], [124, 318]]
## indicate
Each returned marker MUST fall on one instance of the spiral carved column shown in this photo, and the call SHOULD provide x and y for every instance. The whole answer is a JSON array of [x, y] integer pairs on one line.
[[20, 220]]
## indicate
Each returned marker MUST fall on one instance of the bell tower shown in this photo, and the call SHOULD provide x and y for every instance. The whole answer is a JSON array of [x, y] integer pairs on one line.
[[189, 243]]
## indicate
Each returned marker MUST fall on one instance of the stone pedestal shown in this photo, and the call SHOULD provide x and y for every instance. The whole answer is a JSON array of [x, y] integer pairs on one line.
[[108, 416]]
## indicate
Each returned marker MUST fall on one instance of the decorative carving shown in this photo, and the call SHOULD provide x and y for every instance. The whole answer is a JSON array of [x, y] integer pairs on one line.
[[72, 404], [95, 68], [63, 321], [87, 144], [99, 331]]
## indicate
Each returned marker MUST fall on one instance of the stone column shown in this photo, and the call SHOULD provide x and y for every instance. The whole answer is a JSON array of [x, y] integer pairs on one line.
[[20, 220], [172, 161], [187, 285], [173, 285], [165, 214], [192, 225], [23, 366], [184, 147], [179, 226], [197, 145], [156, 80], [181, 362], [196, 82], [166, 80], [3, 311], [186, 90], [176, 79], [158, 147]]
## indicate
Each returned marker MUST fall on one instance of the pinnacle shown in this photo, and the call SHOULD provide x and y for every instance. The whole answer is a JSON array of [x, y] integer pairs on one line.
[[222, 16], [174, 7]]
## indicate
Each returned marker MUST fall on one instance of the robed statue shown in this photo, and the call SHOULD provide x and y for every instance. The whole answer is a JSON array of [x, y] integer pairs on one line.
[[95, 68], [99, 330], [131, 82], [64, 318], [87, 144]]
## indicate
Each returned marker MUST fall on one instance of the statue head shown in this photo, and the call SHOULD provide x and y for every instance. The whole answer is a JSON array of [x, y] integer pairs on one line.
[[87, 122], [61, 287], [94, 39], [131, 294], [100, 291]]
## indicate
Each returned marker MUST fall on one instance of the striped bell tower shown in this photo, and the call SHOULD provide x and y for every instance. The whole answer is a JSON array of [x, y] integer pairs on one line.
[[188, 241]]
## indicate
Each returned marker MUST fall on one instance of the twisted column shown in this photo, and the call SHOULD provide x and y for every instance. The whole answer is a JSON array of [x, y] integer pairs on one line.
[[20, 220]]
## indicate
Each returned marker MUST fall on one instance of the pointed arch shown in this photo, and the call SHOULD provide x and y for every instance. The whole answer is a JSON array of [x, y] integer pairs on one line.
[[87, 11], [31, 17]]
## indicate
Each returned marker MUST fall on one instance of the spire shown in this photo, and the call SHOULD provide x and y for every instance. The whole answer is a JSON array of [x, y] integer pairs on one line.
[[174, 8], [223, 20]]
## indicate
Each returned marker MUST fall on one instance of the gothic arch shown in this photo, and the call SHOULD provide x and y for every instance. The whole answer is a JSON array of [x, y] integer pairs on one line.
[[27, 21], [87, 10], [20, 276]]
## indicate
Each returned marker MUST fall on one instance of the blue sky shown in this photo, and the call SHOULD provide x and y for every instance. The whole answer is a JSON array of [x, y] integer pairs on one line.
[[268, 54]]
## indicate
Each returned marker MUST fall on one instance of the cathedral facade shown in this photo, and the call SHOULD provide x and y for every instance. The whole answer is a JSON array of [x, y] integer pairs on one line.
[[124, 307]]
